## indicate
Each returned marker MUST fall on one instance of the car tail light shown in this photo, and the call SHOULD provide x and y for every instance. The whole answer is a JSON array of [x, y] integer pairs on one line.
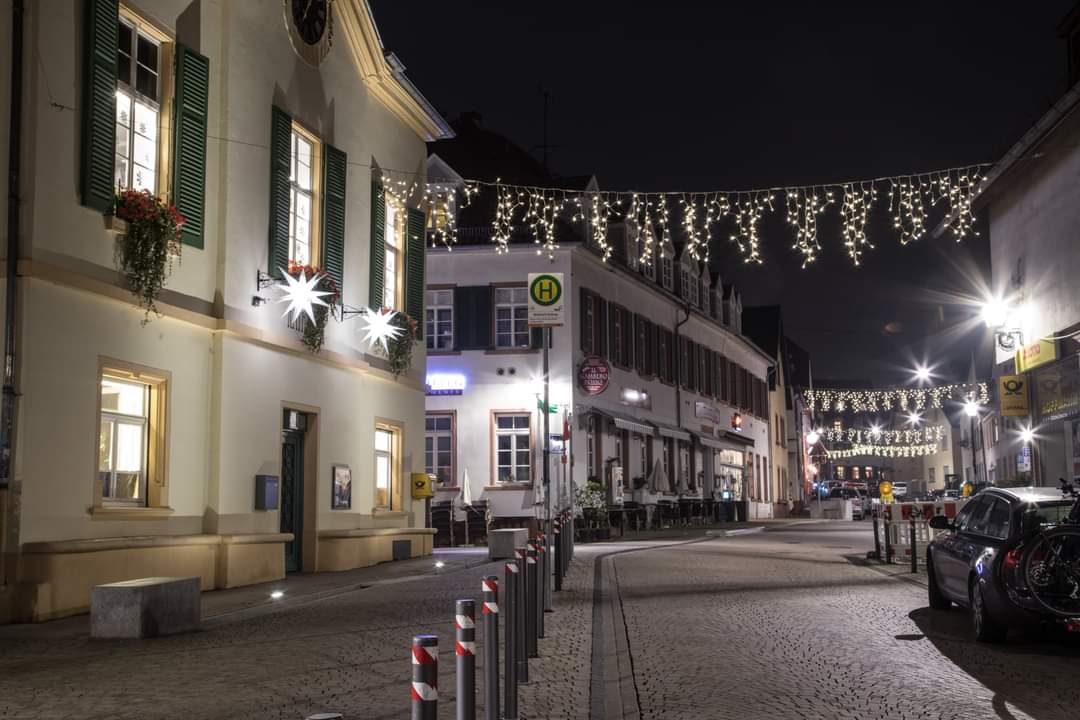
[[1012, 558]]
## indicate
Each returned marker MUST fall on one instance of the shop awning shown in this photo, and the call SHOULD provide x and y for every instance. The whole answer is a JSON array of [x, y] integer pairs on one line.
[[625, 422], [672, 432], [739, 438], [712, 442]]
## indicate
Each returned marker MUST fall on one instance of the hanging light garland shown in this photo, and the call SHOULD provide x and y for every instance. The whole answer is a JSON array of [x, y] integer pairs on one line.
[[861, 436], [862, 401], [911, 199], [891, 451]]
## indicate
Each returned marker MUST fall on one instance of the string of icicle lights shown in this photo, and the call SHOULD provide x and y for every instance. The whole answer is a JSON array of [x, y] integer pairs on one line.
[[892, 451], [650, 218], [861, 436], [860, 401]]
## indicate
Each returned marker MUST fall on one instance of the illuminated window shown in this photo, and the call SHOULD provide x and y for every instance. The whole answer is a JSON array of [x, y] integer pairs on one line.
[[131, 438], [394, 270], [140, 68], [303, 196], [387, 467]]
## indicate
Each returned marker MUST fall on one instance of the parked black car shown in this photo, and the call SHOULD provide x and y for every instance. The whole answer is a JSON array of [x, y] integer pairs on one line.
[[972, 564]]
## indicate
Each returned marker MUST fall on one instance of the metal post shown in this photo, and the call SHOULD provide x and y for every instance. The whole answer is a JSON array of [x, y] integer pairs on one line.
[[888, 545], [914, 555], [530, 601], [545, 571], [510, 662], [425, 677], [490, 585], [557, 557], [546, 474], [465, 652], [520, 646], [877, 540]]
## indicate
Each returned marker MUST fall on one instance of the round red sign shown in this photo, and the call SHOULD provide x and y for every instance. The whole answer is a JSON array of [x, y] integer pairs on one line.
[[593, 375]]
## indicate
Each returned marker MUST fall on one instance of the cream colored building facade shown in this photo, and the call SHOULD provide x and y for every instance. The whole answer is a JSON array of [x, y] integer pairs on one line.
[[138, 445]]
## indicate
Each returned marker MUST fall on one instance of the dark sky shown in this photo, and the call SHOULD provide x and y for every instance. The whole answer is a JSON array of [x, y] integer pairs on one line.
[[710, 95]]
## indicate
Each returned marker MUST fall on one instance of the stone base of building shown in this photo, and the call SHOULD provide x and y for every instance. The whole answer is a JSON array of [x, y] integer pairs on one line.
[[349, 549], [54, 579]]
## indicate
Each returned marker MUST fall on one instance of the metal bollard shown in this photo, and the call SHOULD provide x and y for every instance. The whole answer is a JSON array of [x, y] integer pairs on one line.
[[557, 555], [490, 584], [877, 540], [510, 661], [531, 626], [914, 555], [521, 648], [888, 545], [546, 556], [465, 650], [425, 677]]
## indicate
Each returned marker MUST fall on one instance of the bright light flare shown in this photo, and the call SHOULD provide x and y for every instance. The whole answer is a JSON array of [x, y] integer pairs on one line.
[[875, 430], [301, 295], [971, 408], [922, 373], [378, 329], [914, 418], [1027, 434], [439, 564], [277, 594], [812, 437], [995, 312]]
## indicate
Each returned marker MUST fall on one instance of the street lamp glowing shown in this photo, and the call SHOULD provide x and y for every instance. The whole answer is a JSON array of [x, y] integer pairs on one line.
[[875, 430], [922, 373], [995, 312], [812, 437], [971, 408], [1027, 435], [914, 418]]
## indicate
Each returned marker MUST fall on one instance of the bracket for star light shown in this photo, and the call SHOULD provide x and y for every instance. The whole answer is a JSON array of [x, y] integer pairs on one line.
[[343, 312], [262, 281]]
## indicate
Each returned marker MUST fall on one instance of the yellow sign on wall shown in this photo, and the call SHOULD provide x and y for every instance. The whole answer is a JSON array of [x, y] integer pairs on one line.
[[1013, 391], [1034, 355], [423, 486]]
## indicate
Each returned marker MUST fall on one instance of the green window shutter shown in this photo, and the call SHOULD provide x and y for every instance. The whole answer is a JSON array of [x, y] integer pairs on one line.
[[414, 267], [189, 168], [280, 151], [378, 245], [335, 172], [102, 22]]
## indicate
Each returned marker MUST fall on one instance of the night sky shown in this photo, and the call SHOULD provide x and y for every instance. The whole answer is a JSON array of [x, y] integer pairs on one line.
[[703, 96]]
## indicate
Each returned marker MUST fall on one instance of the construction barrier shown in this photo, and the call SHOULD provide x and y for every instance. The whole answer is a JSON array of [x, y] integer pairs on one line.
[[902, 530]]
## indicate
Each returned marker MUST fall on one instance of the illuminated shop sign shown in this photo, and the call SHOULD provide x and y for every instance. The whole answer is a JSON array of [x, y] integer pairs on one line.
[[445, 384]]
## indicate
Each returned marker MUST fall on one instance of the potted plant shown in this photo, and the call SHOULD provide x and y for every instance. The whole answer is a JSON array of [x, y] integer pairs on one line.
[[145, 252], [593, 503]]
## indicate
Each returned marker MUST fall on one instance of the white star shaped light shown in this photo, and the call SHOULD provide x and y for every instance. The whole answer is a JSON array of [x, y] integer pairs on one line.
[[378, 328], [301, 295]]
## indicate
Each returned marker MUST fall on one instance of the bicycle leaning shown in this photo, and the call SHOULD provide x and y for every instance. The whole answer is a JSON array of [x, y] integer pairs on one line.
[[1051, 563]]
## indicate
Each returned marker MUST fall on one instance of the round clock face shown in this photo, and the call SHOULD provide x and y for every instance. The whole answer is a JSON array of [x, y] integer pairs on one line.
[[311, 28], [310, 18]]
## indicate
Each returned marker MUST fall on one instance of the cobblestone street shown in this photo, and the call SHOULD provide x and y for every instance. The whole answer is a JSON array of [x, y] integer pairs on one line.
[[784, 623]]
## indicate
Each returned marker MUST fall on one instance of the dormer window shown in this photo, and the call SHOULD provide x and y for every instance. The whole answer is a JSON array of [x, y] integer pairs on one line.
[[690, 282], [705, 296]]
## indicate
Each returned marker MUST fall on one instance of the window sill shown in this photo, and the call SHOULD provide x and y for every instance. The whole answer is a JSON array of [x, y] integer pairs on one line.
[[511, 351], [384, 513], [105, 512], [509, 486], [115, 225], [436, 353]]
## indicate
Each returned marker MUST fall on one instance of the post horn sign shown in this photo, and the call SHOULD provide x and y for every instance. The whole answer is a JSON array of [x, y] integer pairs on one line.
[[1013, 391], [545, 299], [593, 375]]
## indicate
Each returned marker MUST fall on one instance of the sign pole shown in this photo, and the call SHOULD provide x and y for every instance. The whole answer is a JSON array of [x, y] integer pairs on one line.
[[546, 475]]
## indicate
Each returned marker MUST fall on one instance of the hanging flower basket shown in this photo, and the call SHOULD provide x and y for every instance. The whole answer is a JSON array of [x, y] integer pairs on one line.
[[144, 254], [313, 334], [398, 351]]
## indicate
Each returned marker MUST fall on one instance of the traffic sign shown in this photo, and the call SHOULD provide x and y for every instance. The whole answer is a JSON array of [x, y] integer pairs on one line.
[[545, 299]]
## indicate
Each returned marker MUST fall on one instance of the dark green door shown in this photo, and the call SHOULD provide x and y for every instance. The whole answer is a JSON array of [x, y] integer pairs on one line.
[[292, 496]]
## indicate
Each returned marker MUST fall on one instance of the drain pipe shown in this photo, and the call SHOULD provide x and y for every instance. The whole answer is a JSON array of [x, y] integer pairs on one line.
[[678, 392], [7, 412]]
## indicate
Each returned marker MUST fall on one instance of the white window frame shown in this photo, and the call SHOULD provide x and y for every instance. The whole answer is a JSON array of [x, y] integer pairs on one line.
[[128, 94], [309, 240], [391, 461], [394, 258], [518, 307], [515, 434], [667, 273], [432, 434], [439, 331]]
